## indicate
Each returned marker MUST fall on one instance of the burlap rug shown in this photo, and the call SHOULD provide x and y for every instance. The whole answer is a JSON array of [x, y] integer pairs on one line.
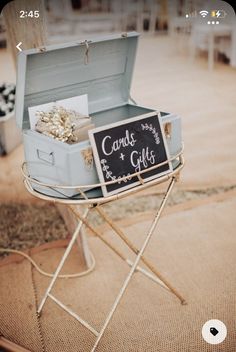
[[194, 249]]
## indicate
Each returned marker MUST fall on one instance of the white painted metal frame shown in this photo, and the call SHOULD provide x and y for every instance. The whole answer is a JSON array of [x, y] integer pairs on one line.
[[134, 266]]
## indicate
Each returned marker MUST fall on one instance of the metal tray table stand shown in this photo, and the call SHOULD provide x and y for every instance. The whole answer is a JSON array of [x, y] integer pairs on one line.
[[97, 204]]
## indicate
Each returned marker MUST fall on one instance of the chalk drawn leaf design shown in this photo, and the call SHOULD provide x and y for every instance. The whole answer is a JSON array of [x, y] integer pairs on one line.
[[109, 175], [149, 127]]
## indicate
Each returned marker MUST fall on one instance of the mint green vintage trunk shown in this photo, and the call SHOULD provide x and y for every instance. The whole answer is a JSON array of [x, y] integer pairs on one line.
[[102, 68]]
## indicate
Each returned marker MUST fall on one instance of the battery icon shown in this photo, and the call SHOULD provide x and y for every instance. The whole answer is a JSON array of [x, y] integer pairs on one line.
[[218, 13]]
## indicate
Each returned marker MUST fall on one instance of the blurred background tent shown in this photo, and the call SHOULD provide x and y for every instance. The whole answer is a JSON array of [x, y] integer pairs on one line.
[[68, 20]]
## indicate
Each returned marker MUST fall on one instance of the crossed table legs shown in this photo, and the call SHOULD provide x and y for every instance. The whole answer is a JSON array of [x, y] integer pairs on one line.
[[154, 275]]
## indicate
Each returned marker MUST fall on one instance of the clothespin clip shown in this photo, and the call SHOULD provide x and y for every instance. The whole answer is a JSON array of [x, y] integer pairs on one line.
[[140, 179]]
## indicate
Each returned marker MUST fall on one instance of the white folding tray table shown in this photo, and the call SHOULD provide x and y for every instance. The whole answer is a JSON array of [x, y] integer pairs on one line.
[[97, 203]]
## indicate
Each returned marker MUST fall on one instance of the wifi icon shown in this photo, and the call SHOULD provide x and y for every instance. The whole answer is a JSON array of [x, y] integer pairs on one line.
[[203, 13]]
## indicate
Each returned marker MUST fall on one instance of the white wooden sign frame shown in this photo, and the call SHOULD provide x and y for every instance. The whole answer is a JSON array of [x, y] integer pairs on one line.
[[116, 124]]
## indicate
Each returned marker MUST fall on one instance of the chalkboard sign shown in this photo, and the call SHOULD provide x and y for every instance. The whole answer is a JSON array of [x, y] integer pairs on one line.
[[123, 148]]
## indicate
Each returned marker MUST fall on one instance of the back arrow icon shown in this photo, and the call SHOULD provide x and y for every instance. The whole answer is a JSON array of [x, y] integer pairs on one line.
[[18, 46]]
